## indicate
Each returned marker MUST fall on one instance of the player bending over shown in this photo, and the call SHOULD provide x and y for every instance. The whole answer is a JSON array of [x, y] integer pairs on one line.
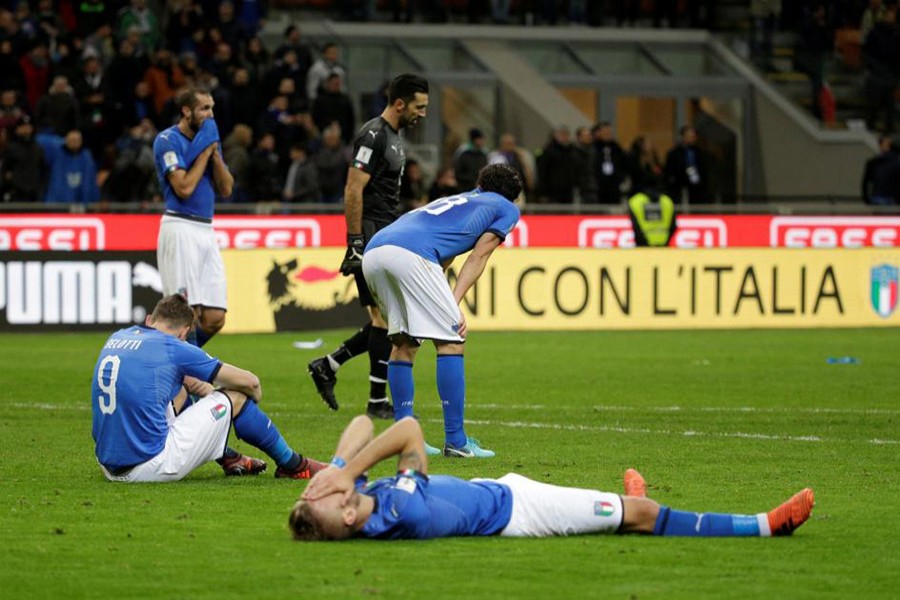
[[338, 505], [139, 389]]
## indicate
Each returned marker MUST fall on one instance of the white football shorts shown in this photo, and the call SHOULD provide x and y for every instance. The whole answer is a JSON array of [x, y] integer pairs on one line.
[[412, 293], [544, 510], [189, 262], [197, 436]]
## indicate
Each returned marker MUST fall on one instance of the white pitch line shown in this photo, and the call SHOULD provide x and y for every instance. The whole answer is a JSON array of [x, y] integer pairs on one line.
[[669, 409], [612, 429]]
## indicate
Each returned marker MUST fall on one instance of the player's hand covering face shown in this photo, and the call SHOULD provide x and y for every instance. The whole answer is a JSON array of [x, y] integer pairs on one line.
[[330, 481]]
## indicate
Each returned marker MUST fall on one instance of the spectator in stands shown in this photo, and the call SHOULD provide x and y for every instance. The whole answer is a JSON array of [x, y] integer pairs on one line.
[[586, 158], [302, 181], [413, 193], [765, 15], [141, 106], [223, 62], [57, 111], [816, 42], [101, 44], [123, 74], [90, 80], [251, 15], [264, 173], [873, 176], [611, 166], [881, 54], [35, 67], [470, 158], [244, 99], [334, 106], [236, 151], [91, 15], [685, 169], [444, 185], [163, 77], [73, 172], [293, 42], [12, 110], [873, 13], [644, 166], [508, 152], [64, 61], [140, 16], [557, 168], [332, 161], [327, 64], [132, 177], [257, 61], [184, 19], [886, 189], [227, 24], [286, 67], [11, 75], [22, 170]]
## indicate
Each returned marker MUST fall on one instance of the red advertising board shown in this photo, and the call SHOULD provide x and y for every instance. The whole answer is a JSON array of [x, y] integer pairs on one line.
[[139, 232]]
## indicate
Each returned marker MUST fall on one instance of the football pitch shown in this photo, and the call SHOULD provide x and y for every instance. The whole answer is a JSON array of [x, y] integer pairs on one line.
[[718, 421]]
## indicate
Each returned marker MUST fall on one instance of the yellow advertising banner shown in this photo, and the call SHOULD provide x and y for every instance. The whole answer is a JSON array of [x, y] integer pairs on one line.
[[561, 288], [289, 290]]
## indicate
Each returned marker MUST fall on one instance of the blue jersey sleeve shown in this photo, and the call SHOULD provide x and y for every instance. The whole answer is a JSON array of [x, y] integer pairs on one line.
[[194, 361], [167, 153], [506, 218]]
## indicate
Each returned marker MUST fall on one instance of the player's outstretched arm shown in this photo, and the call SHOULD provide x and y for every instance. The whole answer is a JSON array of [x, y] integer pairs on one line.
[[404, 439], [356, 436], [234, 378], [475, 263]]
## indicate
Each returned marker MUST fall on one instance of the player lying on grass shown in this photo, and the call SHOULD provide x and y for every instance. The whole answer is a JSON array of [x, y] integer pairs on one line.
[[139, 388], [337, 505]]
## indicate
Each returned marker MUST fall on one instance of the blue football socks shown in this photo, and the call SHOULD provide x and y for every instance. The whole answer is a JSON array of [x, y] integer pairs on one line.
[[254, 427], [683, 523], [451, 385], [400, 378], [202, 337]]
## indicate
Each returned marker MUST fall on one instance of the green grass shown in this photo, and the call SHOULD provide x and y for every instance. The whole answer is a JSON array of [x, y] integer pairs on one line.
[[716, 421]]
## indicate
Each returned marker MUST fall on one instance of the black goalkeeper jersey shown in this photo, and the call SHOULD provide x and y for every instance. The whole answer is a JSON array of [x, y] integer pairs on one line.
[[378, 151]]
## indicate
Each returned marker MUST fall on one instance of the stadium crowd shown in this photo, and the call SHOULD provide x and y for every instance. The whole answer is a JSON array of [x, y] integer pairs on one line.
[[85, 87]]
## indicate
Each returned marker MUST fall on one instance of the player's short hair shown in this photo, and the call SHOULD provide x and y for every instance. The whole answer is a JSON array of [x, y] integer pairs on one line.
[[404, 87], [188, 97], [304, 526], [174, 310], [500, 179]]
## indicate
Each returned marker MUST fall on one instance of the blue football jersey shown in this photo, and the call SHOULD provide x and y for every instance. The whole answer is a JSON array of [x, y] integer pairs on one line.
[[172, 150], [138, 374], [411, 505], [449, 226]]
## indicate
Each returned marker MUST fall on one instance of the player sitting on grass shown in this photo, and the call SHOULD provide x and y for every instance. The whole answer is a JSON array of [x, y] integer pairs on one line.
[[139, 387], [336, 505]]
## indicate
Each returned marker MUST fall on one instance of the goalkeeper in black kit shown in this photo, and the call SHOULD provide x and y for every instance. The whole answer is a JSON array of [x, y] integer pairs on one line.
[[371, 202]]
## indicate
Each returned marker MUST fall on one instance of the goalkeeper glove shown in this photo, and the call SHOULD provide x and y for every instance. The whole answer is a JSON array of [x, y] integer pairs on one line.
[[352, 263]]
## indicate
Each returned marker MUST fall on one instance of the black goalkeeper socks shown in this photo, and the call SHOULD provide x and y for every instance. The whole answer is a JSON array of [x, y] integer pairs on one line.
[[379, 355], [353, 346]]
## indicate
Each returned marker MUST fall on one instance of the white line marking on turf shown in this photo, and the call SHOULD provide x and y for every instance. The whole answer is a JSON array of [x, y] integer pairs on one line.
[[612, 429], [739, 409]]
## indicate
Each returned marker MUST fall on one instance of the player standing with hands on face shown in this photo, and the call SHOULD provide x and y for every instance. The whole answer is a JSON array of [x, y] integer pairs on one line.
[[371, 202], [192, 173]]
